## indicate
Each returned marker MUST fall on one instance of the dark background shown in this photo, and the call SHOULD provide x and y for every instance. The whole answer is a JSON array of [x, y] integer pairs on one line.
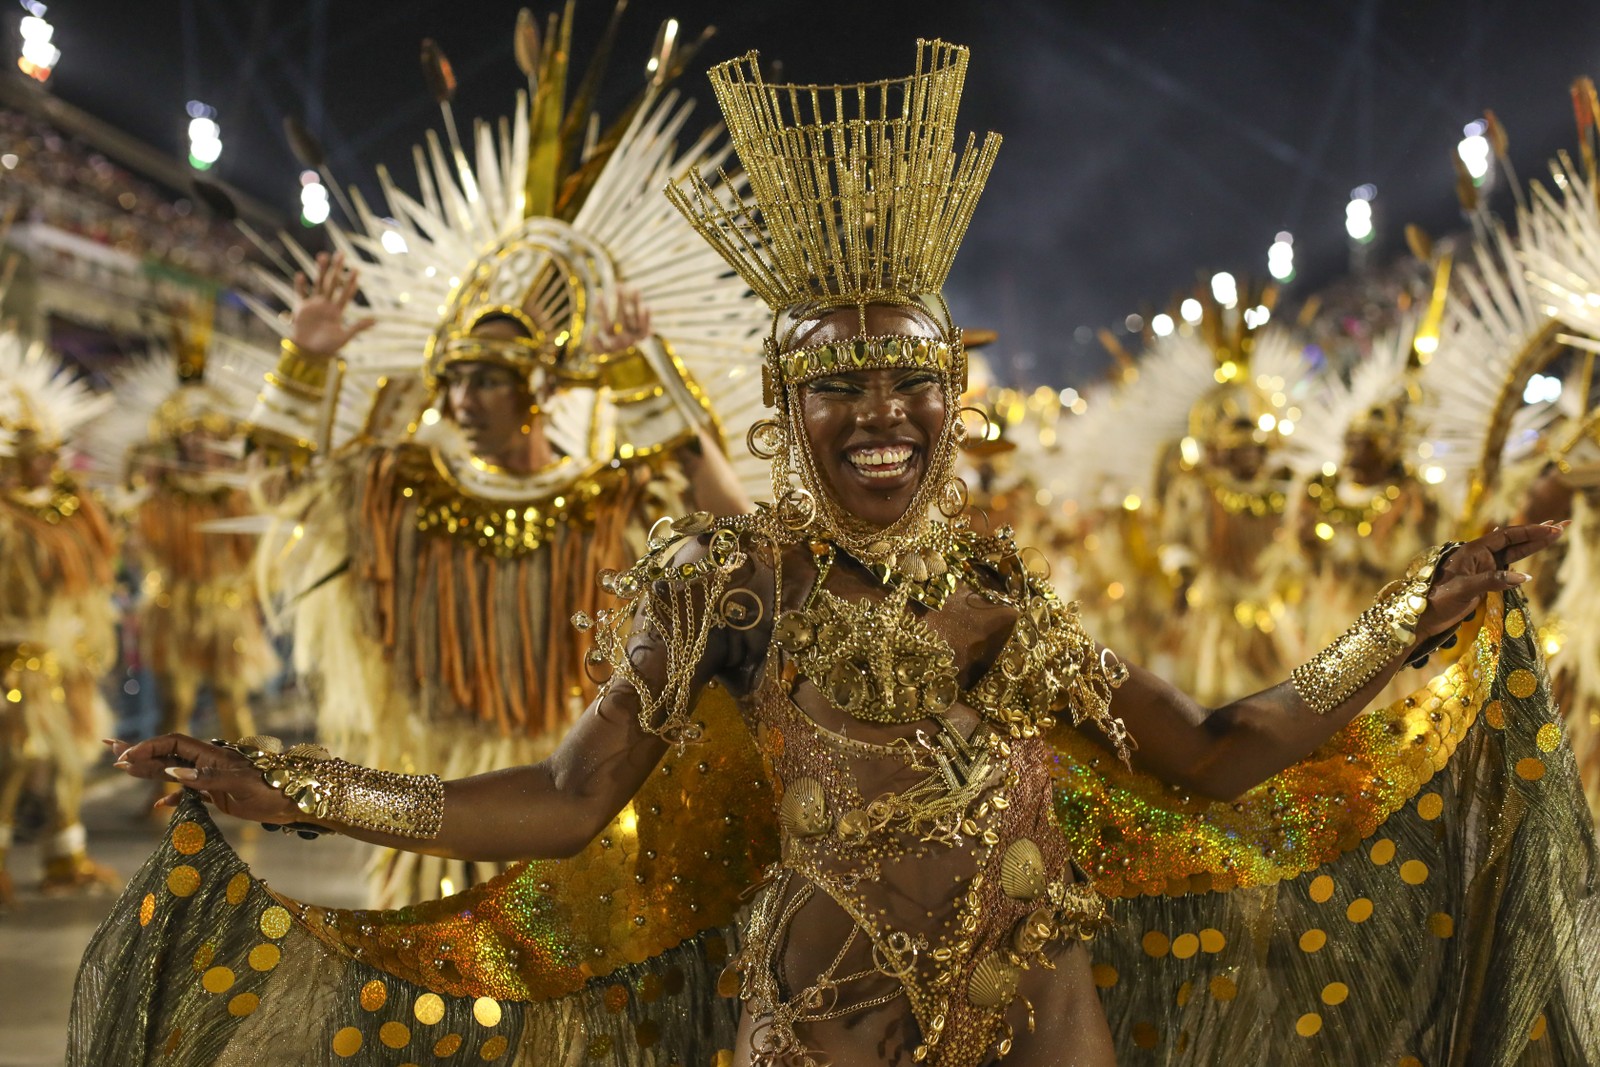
[[1147, 143]]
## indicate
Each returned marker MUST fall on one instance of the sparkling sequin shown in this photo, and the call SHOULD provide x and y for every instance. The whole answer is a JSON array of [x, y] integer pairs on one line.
[[243, 1004], [1335, 993], [183, 880], [487, 1011], [1548, 738], [1184, 946], [1155, 944], [238, 888], [1539, 1026], [395, 1034], [1212, 941], [493, 1048], [1105, 975], [1430, 806], [1516, 623], [429, 1009], [275, 922], [264, 957], [374, 995], [1321, 888], [1495, 715], [147, 909], [347, 1042], [217, 980], [1530, 768], [1313, 940], [1522, 683], [448, 1045], [1382, 851], [1308, 1025], [1359, 911], [188, 838], [1441, 925], [1413, 872], [1224, 988]]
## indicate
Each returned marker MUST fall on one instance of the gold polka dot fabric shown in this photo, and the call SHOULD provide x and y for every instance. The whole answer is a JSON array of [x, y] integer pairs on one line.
[[1440, 837], [507, 973]]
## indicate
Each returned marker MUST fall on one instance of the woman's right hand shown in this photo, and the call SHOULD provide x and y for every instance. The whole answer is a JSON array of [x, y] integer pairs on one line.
[[221, 776], [319, 328]]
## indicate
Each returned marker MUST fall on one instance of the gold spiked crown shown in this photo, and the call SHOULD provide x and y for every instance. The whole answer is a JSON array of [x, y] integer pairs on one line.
[[857, 195]]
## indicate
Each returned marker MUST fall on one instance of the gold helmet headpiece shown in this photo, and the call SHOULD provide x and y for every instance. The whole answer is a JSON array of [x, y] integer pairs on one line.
[[850, 196]]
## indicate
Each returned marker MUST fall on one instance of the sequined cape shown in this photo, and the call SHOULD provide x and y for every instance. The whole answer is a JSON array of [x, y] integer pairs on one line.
[[1419, 891]]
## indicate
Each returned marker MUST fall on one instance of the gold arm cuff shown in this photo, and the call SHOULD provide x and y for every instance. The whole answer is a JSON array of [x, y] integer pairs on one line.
[[301, 368], [405, 805], [1380, 635]]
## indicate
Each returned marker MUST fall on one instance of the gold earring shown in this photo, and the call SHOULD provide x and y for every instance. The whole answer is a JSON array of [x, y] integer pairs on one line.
[[953, 498], [766, 439]]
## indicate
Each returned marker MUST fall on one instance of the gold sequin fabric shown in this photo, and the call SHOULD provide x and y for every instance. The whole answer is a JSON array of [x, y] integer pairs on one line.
[[1436, 839]]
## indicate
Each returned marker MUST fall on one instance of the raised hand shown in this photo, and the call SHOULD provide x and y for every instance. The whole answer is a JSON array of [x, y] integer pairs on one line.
[[1479, 568], [222, 777], [319, 326], [622, 327]]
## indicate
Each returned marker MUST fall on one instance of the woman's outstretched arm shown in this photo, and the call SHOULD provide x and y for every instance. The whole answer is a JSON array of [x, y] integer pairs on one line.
[[549, 809], [1223, 752]]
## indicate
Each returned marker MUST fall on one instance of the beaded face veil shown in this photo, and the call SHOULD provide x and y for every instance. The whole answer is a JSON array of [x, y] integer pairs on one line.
[[857, 196]]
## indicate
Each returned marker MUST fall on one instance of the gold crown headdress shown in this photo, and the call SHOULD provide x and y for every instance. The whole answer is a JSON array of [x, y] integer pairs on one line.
[[857, 196]]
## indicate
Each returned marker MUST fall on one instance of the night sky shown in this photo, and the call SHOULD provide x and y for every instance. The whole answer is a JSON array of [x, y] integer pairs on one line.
[[1147, 143]]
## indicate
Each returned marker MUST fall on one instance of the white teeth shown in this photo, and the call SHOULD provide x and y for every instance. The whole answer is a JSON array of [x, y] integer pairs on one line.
[[888, 462]]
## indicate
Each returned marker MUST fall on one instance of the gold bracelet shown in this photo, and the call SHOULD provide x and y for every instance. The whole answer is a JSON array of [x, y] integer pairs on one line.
[[301, 368], [1383, 632], [406, 805]]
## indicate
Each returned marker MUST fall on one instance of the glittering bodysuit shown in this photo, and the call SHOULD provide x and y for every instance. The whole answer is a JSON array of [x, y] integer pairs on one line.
[[920, 858]]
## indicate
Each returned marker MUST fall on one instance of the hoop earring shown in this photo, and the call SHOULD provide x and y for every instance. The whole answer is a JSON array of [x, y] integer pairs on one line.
[[766, 439], [962, 433], [797, 510], [953, 497]]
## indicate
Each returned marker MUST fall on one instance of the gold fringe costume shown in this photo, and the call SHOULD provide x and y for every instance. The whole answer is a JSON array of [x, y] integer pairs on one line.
[[427, 589], [57, 624], [164, 457]]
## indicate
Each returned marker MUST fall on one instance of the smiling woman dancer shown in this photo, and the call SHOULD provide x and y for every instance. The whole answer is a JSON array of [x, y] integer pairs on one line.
[[903, 675]]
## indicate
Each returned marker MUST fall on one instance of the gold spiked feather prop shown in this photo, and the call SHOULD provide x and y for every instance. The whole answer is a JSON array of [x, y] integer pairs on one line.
[[857, 193]]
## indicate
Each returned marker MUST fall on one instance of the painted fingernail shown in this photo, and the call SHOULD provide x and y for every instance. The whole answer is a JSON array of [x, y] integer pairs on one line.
[[122, 765], [183, 774], [1518, 577]]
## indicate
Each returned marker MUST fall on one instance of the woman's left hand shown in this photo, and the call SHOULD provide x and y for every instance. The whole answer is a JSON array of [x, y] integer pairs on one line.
[[623, 329], [1478, 568]]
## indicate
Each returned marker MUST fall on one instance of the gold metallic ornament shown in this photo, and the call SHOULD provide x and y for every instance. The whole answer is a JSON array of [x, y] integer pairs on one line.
[[1022, 870], [804, 810]]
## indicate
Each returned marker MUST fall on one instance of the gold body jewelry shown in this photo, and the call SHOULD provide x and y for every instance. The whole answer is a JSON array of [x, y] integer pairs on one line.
[[405, 805], [1381, 634]]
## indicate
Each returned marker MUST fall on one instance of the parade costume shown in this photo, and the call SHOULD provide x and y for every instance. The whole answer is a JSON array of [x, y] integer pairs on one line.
[[1223, 530], [913, 710], [1354, 534], [166, 451], [57, 630], [428, 589]]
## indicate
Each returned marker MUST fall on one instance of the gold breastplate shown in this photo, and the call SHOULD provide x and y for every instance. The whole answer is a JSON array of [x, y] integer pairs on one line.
[[878, 661]]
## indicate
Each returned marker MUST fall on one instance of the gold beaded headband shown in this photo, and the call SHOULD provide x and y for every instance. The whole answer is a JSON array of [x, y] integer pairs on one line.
[[859, 353]]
